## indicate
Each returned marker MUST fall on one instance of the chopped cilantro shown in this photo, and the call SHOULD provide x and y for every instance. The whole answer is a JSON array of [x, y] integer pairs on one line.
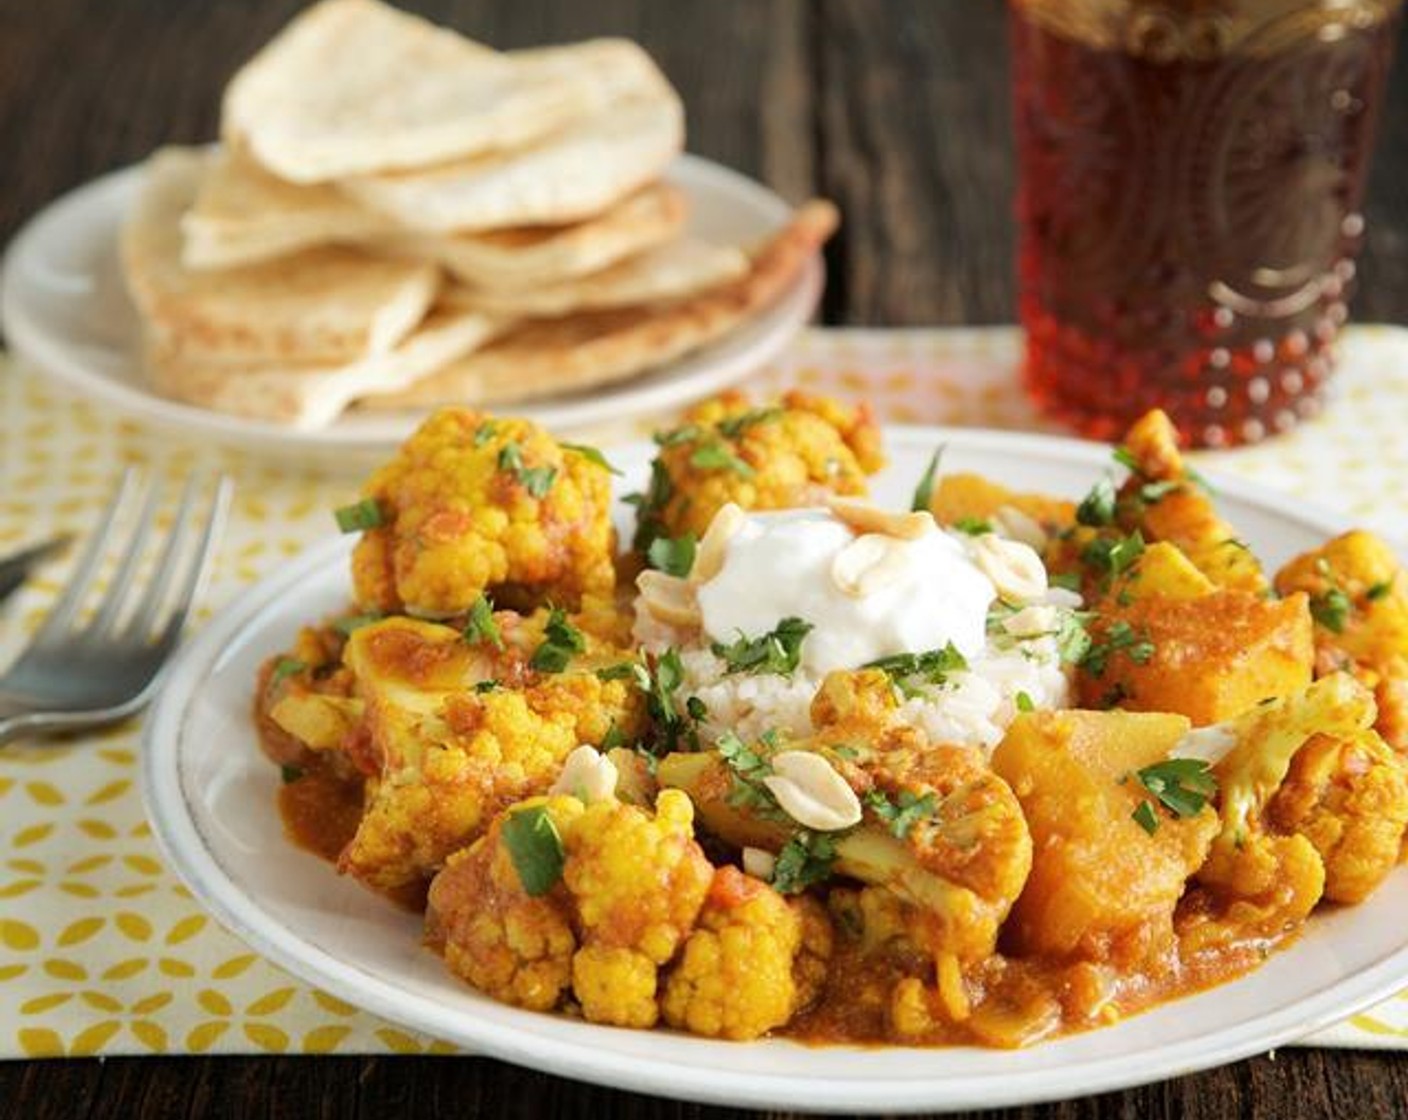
[[735, 426], [347, 626], [359, 516], [284, 668], [973, 526], [686, 433], [591, 454], [672, 717], [1331, 609], [1151, 493], [1125, 458], [535, 847], [1181, 785], [481, 626], [626, 670], [650, 505], [903, 812], [613, 738], [672, 555], [1120, 637], [1098, 507], [561, 640], [1113, 556], [1144, 817], [1070, 581], [489, 685], [290, 774], [717, 457], [804, 861], [484, 433], [1025, 703], [924, 492], [1378, 590], [536, 480], [930, 667], [778, 651]]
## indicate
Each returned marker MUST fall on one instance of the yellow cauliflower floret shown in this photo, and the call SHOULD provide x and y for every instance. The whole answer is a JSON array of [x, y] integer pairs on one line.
[[781, 456], [445, 753], [471, 504], [748, 967], [1348, 797], [1359, 601], [637, 882], [507, 944], [1262, 890]]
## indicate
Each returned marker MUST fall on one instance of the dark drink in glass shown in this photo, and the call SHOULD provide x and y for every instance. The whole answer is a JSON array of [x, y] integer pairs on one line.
[[1191, 175]]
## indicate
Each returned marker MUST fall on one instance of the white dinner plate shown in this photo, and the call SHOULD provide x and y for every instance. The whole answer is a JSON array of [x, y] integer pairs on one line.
[[65, 310], [211, 798]]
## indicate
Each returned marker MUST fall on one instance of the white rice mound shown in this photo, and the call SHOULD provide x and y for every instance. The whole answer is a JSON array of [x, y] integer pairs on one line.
[[971, 708]]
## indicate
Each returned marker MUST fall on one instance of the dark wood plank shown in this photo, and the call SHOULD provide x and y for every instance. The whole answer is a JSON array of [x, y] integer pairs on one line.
[[1292, 1085]]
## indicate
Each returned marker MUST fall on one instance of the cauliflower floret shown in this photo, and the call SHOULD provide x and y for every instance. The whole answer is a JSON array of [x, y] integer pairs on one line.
[[637, 883], [455, 731], [1360, 605], [751, 964], [1348, 797], [492, 933], [471, 504], [783, 456], [1259, 891]]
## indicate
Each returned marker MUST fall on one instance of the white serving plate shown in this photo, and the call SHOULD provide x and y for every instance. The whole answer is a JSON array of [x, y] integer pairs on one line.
[[211, 798], [65, 311]]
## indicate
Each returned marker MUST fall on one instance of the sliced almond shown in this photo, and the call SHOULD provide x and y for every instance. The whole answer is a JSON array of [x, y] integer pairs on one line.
[[1014, 568], [1020, 526], [587, 775], [867, 564], [713, 546], [759, 863], [866, 518], [669, 599], [811, 792]]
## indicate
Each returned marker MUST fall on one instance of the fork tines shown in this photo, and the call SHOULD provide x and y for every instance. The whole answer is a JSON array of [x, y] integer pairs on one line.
[[151, 583]]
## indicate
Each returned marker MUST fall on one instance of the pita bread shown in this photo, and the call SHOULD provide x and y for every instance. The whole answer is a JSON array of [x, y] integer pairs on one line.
[[567, 177], [672, 271], [554, 356], [355, 86], [324, 305], [309, 396], [526, 256], [242, 215]]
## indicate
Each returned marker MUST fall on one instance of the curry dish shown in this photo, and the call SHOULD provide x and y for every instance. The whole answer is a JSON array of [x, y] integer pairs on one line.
[[983, 771]]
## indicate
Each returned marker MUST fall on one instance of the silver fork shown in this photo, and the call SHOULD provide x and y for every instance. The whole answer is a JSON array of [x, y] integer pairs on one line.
[[82, 671]]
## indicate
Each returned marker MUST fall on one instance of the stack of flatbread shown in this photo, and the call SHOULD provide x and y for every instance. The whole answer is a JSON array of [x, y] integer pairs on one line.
[[398, 217]]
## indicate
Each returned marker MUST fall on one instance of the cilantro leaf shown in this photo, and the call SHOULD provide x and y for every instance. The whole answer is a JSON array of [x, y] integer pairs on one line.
[[360, 516], [535, 847], [1098, 507], [778, 651], [1181, 785], [591, 454], [907, 670], [561, 640], [351, 623], [284, 668], [804, 861], [536, 480], [481, 626], [924, 491], [716, 457], [1145, 817], [672, 555], [735, 426], [1331, 609], [903, 812], [973, 526], [1120, 637]]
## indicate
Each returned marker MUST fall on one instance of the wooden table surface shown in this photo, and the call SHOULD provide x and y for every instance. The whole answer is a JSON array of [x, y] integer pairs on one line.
[[898, 111]]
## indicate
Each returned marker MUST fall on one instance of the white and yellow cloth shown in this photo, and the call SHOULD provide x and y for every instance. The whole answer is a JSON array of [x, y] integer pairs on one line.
[[102, 951]]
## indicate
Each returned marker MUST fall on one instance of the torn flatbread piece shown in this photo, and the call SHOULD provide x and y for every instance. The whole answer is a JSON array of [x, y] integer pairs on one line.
[[325, 305], [554, 356], [356, 86], [523, 257], [309, 396], [242, 214], [571, 175], [672, 271]]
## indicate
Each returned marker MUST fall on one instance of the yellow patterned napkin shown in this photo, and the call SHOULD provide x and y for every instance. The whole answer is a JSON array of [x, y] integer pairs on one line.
[[102, 951]]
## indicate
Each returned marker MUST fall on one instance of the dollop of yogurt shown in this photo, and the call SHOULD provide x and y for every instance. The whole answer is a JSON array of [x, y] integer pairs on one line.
[[784, 565]]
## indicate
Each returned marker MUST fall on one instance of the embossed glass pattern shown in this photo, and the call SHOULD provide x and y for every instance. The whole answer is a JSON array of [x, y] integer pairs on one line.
[[1191, 178]]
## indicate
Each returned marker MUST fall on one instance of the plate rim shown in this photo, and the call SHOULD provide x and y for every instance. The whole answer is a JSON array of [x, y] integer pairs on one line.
[[39, 348], [184, 847]]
